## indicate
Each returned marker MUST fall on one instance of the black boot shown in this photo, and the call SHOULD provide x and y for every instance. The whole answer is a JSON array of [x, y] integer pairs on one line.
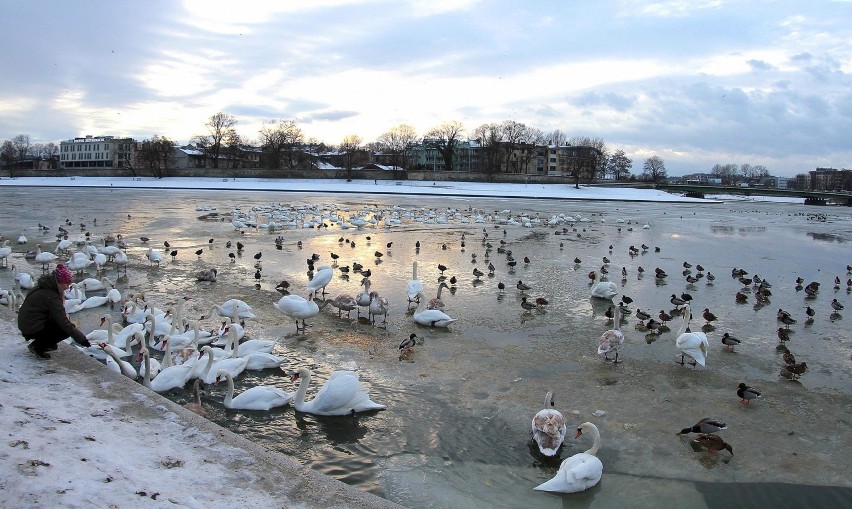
[[38, 353]]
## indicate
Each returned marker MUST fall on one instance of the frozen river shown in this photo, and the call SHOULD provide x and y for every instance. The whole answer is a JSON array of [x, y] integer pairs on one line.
[[456, 431]]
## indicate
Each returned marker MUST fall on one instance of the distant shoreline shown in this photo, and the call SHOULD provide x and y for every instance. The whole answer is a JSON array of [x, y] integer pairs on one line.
[[384, 187]]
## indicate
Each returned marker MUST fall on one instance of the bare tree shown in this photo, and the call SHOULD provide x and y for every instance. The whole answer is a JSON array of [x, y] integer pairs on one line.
[[446, 139], [21, 143], [7, 155], [619, 165], [556, 138], [233, 149], [220, 127], [398, 142], [124, 156], [154, 154], [727, 172], [349, 147], [490, 153], [282, 143], [654, 169]]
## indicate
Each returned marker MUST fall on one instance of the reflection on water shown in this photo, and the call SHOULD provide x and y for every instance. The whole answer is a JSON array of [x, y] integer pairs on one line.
[[456, 431]]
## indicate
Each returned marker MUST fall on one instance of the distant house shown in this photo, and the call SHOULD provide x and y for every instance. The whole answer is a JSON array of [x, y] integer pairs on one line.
[[97, 152], [188, 156]]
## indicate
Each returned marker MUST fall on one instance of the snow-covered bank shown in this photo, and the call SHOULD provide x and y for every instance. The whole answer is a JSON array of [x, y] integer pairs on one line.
[[450, 188]]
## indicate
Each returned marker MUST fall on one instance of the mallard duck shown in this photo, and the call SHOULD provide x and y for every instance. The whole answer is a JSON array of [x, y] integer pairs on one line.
[[794, 370], [747, 393], [708, 316], [705, 425], [407, 344], [730, 341], [548, 427], [580, 471], [713, 443], [528, 306]]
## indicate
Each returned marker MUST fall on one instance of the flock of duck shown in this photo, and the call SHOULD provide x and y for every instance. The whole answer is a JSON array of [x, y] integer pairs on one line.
[[220, 355]]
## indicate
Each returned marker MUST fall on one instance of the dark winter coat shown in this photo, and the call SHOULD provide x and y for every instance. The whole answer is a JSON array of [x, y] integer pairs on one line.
[[44, 304]]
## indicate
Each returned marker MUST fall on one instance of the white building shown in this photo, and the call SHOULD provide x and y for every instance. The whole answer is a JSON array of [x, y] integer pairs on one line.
[[97, 152]]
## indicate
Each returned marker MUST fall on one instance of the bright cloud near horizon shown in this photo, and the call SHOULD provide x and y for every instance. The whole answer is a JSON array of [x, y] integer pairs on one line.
[[695, 82]]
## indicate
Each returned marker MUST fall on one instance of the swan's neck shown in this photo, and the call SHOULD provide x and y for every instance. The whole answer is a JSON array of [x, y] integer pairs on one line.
[[304, 382], [167, 360], [617, 318], [209, 362], [234, 342], [230, 394], [414, 270], [687, 314], [596, 445], [146, 361]]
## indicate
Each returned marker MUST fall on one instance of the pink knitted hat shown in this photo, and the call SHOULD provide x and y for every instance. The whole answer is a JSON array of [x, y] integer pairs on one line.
[[63, 275]]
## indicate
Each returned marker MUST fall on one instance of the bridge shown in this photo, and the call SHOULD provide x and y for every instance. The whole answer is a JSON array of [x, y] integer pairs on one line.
[[810, 197]]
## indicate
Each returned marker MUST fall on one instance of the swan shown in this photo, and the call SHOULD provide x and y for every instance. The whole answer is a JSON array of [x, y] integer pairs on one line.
[[378, 306], [75, 292], [297, 308], [171, 377], [158, 327], [342, 394], [414, 287], [363, 298], [154, 256], [208, 374], [580, 471], [44, 258], [114, 296], [249, 347], [604, 290], [207, 275], [5, 251], [22, 238], [25, 280], [259, 397], [693, 344], [115, 363], [91, 284], [344, 302], [195, 405], [321, 279], [612, 339], [91, 302], [437, 302], [548, 427], [120, 260], [152, 364], [431, 317], [229, 307]]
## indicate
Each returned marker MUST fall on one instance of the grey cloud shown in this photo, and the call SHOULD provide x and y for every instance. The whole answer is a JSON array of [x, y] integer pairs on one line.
[[760, 65]]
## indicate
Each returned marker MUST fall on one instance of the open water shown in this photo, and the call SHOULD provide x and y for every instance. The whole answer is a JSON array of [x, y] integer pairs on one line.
[[456, 431]]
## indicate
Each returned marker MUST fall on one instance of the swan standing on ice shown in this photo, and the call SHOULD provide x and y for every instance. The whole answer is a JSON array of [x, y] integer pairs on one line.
[[5, 251], [259, 397], [342, 394], [548, 427], [154, 256], [431, 317], [321, 279], [297, 308], [579, 472], [414, 287], [363, 298], [693, 344], [612, 339], [604, 290]]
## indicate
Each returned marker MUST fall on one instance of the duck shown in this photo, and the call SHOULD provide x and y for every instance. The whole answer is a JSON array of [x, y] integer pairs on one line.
[[321, 279], [713, 443], [342, 394], [259, 397], [298, 308], [548, 427], [604, 290], [708, 316], [747, 393], [580, 471], [414, 287], [705, 425], [431, 317], [407, 344], [693, 344], [794, 370], [730, 341], [613, 338]]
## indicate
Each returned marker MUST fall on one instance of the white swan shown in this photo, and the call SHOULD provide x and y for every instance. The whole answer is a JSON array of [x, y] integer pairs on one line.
[[342, 394], [91, 302], [259, 397], [115, 363], [297, 308], [154, 256], [5, 251], [414, 287], [249, 347], [612, 339], [91, 284], [321, 279], [171, 377], [25, 280], [79, 262], [693, 344], [211, 369], [232, 306], [152, 364], [604, 290], [44, 258], [431, 317], [548, 427], [580, 471]]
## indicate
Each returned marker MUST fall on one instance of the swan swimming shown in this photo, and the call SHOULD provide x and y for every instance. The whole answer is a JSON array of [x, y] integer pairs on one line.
[[548, 427], [580, 471], [342, 394]]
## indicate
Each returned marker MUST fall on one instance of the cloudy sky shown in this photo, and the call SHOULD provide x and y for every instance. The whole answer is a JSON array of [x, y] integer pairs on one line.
[[697, 82]]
